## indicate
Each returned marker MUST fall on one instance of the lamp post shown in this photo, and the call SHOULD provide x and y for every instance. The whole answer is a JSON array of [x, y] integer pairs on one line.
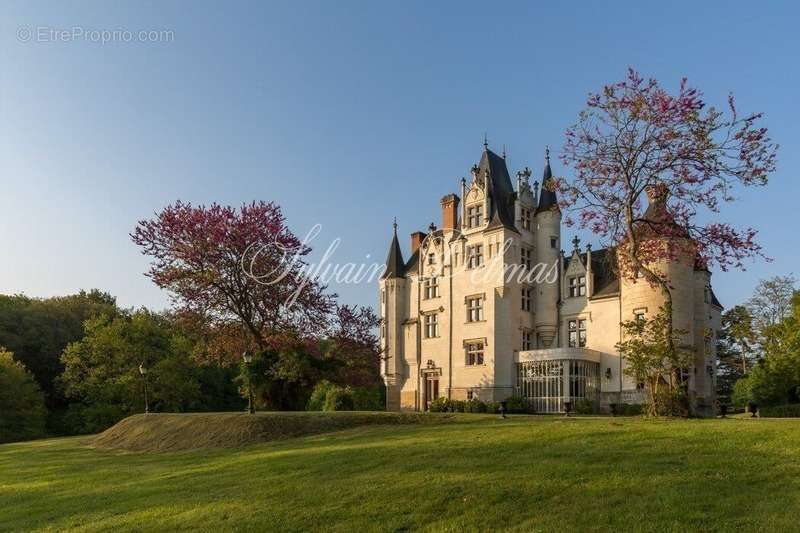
[[248, 358], [143, 372]]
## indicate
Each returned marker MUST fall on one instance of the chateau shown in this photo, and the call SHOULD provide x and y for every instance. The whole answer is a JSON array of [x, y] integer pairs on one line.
[[454, 323]]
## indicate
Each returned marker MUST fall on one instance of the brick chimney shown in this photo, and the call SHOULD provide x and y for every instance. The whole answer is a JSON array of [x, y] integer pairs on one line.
[[416, 240], [449, 212]]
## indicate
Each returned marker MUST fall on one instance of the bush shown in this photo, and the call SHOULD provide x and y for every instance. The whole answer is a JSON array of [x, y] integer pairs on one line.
[[22, 411], [317, 400], [630, 409], [492, 407], [518, 404], [584, 407], [474, 406], [369, 398], [338, 399], [791, 410], [440, 405]]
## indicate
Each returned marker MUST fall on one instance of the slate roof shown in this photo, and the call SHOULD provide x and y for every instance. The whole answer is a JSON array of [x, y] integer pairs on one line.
[[395, 266], [547, 197], [606, 281], [501, 192]]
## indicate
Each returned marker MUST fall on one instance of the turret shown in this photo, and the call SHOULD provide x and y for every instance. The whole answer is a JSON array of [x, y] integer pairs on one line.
[[393, 310], [548, 246]]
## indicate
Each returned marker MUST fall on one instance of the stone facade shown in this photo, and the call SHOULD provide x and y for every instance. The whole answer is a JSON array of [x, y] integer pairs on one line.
[[489, 305]]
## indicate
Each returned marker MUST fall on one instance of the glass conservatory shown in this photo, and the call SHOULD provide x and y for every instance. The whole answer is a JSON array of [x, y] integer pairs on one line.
[[549, 378]]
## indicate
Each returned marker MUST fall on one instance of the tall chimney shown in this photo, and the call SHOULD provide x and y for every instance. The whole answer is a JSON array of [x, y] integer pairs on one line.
[[449, 212], [416, 240]]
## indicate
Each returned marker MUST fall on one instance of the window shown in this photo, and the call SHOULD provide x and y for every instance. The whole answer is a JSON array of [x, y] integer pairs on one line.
[[526, 218], [474, 309], [474, 216], [431, 325], [474, 256], [527, 339], [577, 333], [639, 314], [470, 394], [431, 286], [383, 296], [431, 259], [527, 298], [577, 286], [553, 242], [383, 330], [474, 353], [525, 257]]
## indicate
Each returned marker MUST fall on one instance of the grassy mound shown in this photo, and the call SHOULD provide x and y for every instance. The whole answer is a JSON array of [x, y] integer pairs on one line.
[[190, 431]]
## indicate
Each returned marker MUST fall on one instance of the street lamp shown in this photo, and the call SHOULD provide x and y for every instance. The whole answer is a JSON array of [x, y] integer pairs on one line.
[[143, 372], [248, 358]]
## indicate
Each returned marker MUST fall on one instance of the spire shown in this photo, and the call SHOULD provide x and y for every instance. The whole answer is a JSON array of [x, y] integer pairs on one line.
[[395, 266], [547, 198], [485, 142]]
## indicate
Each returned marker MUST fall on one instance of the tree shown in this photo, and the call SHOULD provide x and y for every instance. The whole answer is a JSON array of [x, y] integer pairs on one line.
[[101, 371], [776, 380], [240, 282], [22, 412], [37, 331], [656, 360], [771, 303], [735, 349], [636, 139], [240, 267]]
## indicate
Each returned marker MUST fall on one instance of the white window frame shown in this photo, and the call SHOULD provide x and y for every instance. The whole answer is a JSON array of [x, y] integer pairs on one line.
[[577, 286], [431, 322], [474, 255], [431, 288], [576, 326]]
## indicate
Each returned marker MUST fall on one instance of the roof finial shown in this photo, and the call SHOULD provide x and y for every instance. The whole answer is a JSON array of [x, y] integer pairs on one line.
[[485, 141], [576, 242], [547, 154], [504, 151], [394, 225]]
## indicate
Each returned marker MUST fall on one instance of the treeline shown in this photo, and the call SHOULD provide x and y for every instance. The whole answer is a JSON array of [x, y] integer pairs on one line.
[[759, 349], [70, 365]]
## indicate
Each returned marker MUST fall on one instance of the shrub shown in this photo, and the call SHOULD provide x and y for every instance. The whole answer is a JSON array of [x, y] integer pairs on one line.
[[492, 407], [791, 410], [369, 398], [317, 400], [440, 405], [22, 412], [474, 406], [518, 404], [631, 409], [584, 407], [338, 399], [458, 406]]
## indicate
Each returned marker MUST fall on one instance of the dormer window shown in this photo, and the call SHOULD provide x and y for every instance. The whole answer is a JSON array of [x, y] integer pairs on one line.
[[431, 259], [577, 286], [474, 216]]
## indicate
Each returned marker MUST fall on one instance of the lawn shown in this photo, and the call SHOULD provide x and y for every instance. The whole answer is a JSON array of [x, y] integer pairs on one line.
[[474, 472]]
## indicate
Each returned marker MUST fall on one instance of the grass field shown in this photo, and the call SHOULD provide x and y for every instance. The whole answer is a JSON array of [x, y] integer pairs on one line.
[[474, 472]]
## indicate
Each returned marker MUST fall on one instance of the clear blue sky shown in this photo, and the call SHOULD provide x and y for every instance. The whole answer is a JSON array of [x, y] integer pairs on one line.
[[345, 113]]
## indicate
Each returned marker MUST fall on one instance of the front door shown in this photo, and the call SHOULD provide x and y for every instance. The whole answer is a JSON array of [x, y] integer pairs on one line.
[[431, 390]]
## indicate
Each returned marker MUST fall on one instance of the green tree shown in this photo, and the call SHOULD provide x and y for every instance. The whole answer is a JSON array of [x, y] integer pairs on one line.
[[770, 304], [101, 372], [736, 349], [776, 380], [38, 330], [22, 412], [655, 357]]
